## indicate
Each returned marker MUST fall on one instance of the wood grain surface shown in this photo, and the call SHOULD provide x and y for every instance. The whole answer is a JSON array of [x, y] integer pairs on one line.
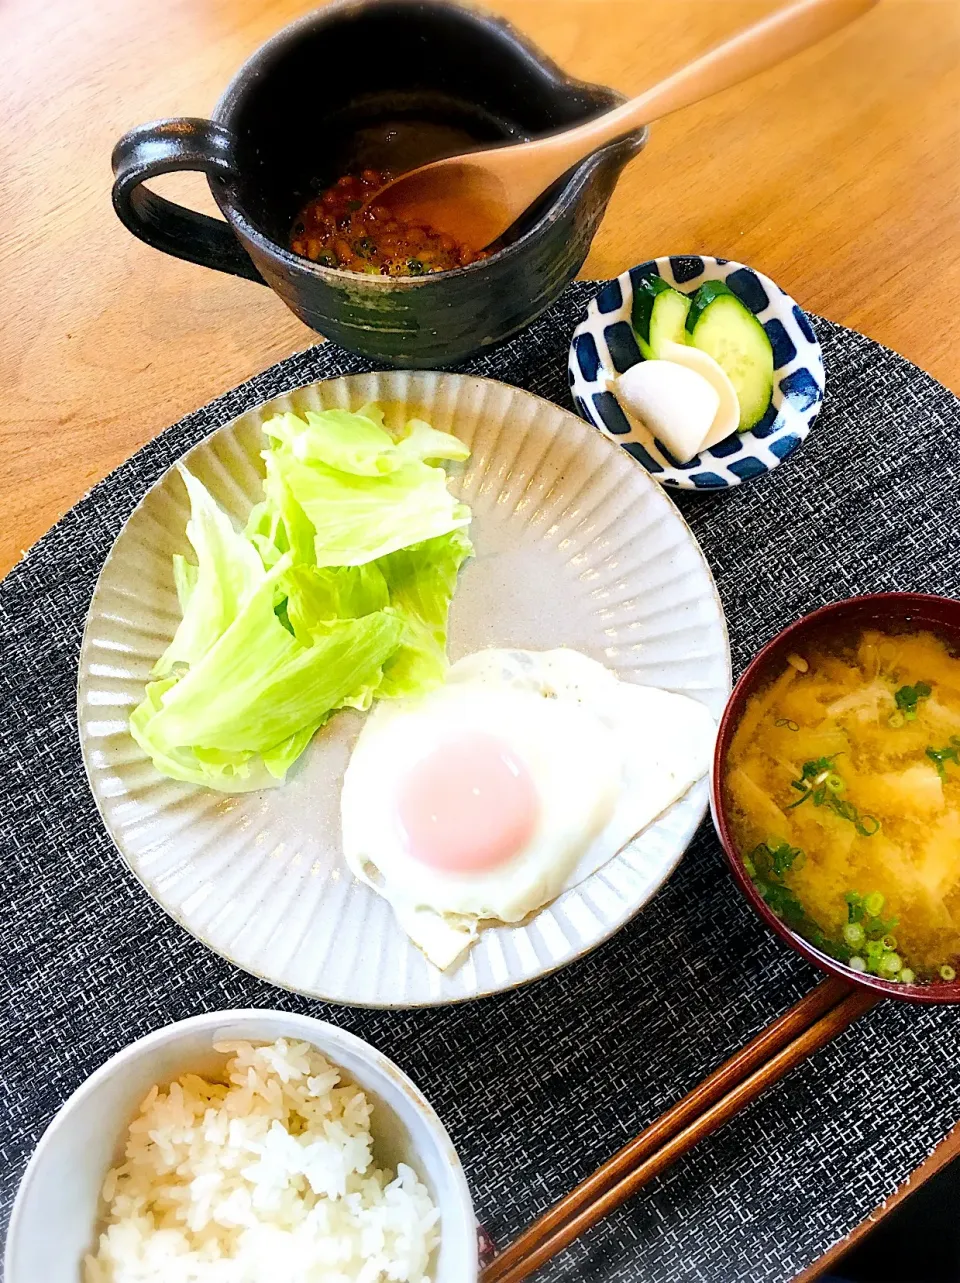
[[838, 174], [945, 1153]]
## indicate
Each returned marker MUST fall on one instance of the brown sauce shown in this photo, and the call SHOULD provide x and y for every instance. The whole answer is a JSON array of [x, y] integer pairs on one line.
[[340, 228]]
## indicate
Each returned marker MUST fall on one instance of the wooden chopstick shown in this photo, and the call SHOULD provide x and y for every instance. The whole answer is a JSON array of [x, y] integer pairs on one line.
[[804, 1028], [826, 995]]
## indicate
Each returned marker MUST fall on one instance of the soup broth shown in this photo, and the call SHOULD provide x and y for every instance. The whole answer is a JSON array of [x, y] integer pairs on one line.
[[843, 788]]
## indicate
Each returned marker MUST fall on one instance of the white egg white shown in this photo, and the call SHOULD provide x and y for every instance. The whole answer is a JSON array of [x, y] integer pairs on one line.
[[606, 758]]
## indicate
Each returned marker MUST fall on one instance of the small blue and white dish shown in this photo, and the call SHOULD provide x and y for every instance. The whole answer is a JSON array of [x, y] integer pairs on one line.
[[604, 346]]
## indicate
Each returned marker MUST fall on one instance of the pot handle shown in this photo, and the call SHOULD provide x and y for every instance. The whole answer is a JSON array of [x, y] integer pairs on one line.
[[159, 148]]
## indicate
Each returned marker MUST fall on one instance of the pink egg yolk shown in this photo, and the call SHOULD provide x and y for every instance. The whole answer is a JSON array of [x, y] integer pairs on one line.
[[469, 805]]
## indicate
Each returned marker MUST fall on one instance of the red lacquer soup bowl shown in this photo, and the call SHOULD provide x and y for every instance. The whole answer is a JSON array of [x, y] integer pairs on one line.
[[899, 612]]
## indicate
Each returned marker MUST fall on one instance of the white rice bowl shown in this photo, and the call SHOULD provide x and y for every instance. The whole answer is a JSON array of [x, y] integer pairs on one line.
[[269, 1175]]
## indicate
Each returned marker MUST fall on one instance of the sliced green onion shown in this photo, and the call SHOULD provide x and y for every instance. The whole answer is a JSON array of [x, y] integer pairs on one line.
[[783, 856], [854, 934], [907, 977], [897, 720], [759, 857], [941, 756], [793, 805], [890, 964], [947, 973], [908, 697], [749, 868], [819, 781], [873, 903], [788, 722], [877, 928], [856, 963], [889, 942]]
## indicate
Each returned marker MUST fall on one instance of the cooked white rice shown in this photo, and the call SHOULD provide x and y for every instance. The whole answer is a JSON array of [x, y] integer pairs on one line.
[[269, 1179]]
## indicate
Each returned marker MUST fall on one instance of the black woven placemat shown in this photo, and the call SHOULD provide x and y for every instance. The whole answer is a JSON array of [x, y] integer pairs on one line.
[[539, 1086]]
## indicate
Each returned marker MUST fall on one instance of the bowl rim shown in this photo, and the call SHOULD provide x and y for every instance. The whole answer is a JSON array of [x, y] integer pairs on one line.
[[313, 1028], [674, 476], [848, 607], [628, 146]]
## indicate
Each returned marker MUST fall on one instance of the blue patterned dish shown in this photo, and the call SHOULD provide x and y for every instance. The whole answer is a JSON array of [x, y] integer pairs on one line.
[[604, 346]]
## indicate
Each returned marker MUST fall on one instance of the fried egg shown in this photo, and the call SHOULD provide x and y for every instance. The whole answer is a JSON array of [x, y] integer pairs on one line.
[[483, 800]]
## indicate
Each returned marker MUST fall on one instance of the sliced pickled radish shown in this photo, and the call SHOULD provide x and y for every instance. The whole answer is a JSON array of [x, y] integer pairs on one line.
[[676, 403], [727, 415]]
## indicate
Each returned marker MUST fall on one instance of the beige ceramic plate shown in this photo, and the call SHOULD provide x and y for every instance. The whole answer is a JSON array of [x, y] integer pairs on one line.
[[575, 546]]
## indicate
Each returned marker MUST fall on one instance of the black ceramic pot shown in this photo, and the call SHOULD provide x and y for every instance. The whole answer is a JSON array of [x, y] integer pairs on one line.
[[341, 86]]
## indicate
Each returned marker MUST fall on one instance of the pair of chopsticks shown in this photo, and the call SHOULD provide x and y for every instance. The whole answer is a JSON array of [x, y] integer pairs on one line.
[[809, 1025]]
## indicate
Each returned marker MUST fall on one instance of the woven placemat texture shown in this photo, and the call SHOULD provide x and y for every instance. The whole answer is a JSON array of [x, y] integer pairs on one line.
[[538, 1086]]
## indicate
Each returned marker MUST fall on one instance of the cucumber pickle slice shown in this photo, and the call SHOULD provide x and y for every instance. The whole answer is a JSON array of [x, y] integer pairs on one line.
[[719, 324]]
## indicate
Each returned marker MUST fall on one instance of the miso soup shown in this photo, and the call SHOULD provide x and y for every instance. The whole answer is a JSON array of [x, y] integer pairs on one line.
[[843, 788]]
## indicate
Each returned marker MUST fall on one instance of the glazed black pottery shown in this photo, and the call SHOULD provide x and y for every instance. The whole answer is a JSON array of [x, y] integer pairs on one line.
[[349, 85]]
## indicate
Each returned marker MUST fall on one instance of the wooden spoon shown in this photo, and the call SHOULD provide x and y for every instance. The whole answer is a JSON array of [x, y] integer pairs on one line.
[[476, 197]]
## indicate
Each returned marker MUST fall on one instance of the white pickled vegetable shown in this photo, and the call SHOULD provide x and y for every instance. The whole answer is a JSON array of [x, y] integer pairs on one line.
[[727, 415], [677, 404]]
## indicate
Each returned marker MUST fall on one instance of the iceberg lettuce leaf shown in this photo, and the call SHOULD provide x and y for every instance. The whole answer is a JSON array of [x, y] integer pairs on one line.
[[322, 594], [423, 442], [278, 524], [281, 757], [363, 494], [184, 579], [358, 519], [357, 442], [258, 685], [238, 773], [421, 581], [227, 573], [341, 439], [335, 593]]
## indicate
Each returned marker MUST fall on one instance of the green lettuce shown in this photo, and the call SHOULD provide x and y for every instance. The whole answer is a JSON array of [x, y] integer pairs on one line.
[[332, 592], [423, 442], [231, 773], [416, 584], [259, 685], [357, 442], [336, 592], [348, 442], [364, 495], [279, 525], [211, 594], [420, 581]]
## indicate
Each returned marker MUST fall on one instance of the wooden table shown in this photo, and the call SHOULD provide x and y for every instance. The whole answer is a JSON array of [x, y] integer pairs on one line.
[[837, 174]]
